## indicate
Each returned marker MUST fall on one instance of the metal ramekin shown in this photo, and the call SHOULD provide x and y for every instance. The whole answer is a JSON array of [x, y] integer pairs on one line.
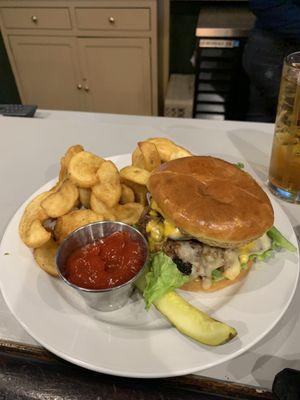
[[102, 299]]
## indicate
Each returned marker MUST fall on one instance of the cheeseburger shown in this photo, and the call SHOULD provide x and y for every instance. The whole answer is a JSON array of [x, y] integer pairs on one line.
[[209, 217]]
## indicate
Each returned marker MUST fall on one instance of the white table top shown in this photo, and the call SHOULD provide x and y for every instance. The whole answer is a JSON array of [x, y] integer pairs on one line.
[[30, 153]]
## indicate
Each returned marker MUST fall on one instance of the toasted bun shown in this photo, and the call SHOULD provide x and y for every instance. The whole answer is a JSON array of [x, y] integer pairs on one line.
[[196, 284], [212, 200]]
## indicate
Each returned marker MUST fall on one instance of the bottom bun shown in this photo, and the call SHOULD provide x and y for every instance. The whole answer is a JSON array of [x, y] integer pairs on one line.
[[196, 284]]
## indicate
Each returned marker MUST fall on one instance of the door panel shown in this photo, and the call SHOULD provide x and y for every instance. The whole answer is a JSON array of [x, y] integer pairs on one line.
[[48, 71], [118, 75]]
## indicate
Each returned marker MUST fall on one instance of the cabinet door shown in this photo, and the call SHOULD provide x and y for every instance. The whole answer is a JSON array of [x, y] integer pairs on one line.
[[118, 75], [48, 72]]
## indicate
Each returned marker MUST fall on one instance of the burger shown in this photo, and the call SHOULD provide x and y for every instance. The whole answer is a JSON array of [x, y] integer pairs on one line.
[[210, 217]]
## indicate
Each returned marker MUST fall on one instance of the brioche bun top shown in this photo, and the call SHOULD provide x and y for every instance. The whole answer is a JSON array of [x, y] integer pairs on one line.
[[211, 200]]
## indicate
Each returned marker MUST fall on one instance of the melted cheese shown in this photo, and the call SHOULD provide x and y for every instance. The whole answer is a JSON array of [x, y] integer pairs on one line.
[[171, 231], [162, 230], [156, 230], [155, 207], [258, 246], [235, 267]]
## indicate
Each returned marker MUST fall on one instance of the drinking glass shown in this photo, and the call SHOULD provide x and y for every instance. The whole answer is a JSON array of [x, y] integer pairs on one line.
[[284, 172]]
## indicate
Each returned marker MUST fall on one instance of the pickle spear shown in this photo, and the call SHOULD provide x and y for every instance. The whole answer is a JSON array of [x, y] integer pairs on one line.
[[192, 322], [158, 283]]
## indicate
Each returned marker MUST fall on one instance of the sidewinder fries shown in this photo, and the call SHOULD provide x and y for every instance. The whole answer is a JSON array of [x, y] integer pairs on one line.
[[36, 235], [127, 194], [31, 230], [84, 197], [150, 155], [135, 175], [83, 168], [73, 220], [62, 201], [137, 159], [168, 150], [108, 189], [101, 208], [140, 191], [91, 189], [128, 213], [65, 160], [45, 256]]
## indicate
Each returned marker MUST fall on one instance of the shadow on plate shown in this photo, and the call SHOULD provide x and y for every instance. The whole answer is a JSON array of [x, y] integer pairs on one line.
[[64, 299]]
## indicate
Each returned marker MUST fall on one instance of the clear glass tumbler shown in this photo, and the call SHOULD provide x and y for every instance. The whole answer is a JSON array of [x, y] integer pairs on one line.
[[284, 172]]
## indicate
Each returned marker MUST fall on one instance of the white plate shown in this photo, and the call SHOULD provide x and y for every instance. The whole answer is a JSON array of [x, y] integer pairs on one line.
[[131, 342]]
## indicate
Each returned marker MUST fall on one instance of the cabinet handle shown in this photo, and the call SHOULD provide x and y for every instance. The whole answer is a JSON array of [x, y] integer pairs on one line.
[[79, 86], [86, 88], [34, 19], [111, 20]]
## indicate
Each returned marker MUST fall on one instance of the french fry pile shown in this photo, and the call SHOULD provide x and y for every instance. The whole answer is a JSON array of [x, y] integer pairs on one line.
[[91, 189]]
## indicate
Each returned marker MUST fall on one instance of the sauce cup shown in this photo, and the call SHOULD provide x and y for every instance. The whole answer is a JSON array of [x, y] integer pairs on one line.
[[111, 298]]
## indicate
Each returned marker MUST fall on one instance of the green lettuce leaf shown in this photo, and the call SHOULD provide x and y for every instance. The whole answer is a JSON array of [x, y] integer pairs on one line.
[[217, 275], [262, 256], [244, 266], [163, 276], [279, 241], [239, 165]]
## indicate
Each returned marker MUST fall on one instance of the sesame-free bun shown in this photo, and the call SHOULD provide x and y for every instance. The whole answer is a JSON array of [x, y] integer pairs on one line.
[[211, 200], [196, 284]]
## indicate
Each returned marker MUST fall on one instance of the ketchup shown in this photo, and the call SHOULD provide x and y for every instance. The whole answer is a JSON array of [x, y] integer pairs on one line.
[[106, 263]]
